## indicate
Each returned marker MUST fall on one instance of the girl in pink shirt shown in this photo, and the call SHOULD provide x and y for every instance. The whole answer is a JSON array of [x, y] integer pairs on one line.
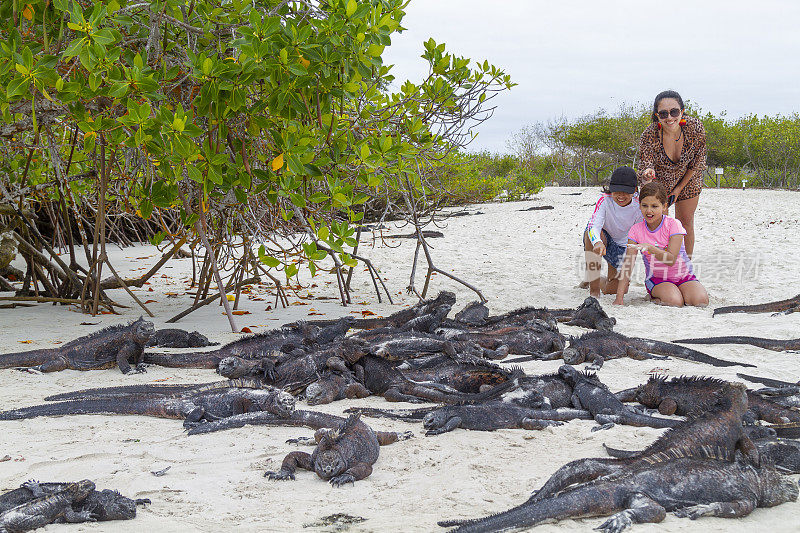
[[669, 276]]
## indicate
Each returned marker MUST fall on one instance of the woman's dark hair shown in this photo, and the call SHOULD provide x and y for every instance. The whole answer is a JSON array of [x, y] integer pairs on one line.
[[654, 188], [660, 96]]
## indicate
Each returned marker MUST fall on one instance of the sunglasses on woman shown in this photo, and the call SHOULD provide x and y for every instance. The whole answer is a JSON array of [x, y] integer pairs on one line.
[[674, 112]]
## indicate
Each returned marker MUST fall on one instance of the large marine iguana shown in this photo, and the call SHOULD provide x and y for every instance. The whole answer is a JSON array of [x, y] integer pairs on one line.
[[112, 346], [156, 390], [782, 306], [590, 394], [776, 345], [48, 509], [718, 427], [485, 416], [783, 454], [689, 487], [597, 346], [346, 448], [103, 505], [589, 314], [682, 395], [194, 406], [262, 345], [179, 338]]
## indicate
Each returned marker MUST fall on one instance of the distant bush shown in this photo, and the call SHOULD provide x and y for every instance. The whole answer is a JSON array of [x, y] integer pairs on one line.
[[485, 177]]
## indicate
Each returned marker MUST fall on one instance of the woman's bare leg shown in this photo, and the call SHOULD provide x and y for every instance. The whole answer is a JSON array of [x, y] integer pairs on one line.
[[668, 294], [684, 211], [694, 293]]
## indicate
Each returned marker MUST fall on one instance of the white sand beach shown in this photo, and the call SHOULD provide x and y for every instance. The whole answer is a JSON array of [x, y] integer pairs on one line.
[[746, 252]]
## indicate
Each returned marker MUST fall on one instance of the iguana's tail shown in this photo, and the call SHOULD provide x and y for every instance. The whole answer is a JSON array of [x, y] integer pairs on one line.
[[164, 408], [673, 350]]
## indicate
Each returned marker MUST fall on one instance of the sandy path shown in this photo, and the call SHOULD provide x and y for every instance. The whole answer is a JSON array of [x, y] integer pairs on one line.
[[517, 258]]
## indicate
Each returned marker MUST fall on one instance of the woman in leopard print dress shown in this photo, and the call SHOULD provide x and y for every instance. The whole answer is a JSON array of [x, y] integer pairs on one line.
[[672, 150]]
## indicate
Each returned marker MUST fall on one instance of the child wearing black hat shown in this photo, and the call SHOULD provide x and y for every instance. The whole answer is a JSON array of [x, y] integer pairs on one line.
[[606, 234]]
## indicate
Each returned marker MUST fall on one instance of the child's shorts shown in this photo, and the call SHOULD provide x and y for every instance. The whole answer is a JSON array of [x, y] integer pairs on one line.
[[649, 284], [614, 252]]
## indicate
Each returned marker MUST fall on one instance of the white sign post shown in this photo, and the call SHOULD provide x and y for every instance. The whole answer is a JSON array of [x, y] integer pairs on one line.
[[718, 171]]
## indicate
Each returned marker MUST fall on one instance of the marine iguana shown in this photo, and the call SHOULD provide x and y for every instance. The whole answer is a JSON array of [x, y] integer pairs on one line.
[[689, 487], [590, 394], [381, 377], [346, 448], [597, 346], [589, 314], [534, 336], [485, 416], [102, 504], [776, 345], [259, 346], [194, 406], [107, 348], [332, 386], [179, 338], [719, 427], [295, 372], [783, 306], [783, 454], [48, 509], [682, 395], [154, 390], [400, 318]]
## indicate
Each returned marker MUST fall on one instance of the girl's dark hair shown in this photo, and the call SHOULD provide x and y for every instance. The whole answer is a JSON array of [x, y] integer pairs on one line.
[[660, 96], [654, 188]]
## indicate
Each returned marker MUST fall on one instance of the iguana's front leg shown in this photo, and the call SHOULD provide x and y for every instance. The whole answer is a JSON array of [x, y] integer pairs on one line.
[[734, 509], [641, 510], [749, 450], [352, 474], [128, 351], [78, 517], [290, 464], [450, 425]]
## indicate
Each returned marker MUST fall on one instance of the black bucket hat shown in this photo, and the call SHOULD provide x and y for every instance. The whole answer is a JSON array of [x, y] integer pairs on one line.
[[623, 179]]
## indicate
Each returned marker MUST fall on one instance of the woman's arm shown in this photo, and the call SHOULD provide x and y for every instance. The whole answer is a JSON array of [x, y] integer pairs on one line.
[[625, 271], [667, 256], [647, 158]]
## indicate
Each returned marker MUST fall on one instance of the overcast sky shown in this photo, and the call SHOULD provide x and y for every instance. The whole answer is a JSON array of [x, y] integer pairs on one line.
[[572, 57]]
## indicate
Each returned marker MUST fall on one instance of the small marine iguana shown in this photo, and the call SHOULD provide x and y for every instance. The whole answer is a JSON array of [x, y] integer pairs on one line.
[[103, 505], [535, 336], [332, 386], [485, 416], [682, 395], [381, 377], [194, 407], [259, 346], [776, 345], [179, 338], [597, 346], [107, 348], [590, 394], [689, 487], [782, 306], [48, 509], [400, 318], [346, 448], [294, 372], [719, 427]]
